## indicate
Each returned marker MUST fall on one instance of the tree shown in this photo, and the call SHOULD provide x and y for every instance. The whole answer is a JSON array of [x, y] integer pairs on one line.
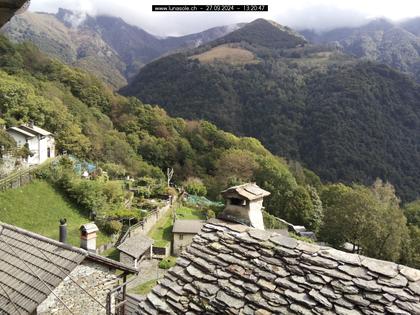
[[6, 142], [369, 218], [348, 214], [235, 167], [412, 212], [390, 224], [303, 207], [195, 186]]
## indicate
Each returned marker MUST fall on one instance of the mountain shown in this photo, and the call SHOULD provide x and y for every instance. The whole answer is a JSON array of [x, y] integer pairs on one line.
[[124, 136], [346, 119], [397, 45], [104, 45]]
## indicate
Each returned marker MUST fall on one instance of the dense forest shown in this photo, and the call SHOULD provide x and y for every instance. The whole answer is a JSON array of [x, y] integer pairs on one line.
[[123, 134], [348, 120]]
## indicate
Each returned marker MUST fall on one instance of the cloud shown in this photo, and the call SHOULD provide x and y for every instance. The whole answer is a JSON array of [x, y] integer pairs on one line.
[[314, 14]]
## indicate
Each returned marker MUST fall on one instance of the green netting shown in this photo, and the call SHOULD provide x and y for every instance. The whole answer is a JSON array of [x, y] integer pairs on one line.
[[202, 201]]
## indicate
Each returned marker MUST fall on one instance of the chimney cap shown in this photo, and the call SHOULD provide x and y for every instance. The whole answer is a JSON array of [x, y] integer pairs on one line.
[[89, 228], [249, 191]]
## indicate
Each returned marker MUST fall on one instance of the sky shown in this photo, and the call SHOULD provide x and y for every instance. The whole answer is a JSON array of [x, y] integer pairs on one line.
[[299, 14]]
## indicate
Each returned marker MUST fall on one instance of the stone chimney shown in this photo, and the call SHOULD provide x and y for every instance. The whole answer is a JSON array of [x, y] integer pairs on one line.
[[31, 124], [88, 236], [63, 231], [244, 204]]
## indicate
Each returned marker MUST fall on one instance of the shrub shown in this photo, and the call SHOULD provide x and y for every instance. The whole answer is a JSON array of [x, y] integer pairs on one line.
[[167, 263], [195, 186], [114, 171], [210, 214], [111, 227]]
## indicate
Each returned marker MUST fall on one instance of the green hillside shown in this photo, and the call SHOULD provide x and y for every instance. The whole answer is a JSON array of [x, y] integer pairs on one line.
[[126, 137], [346, 120], [38, 207]]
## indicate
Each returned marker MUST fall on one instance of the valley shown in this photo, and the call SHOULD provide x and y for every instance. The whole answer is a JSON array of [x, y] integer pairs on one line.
[[246, 169]]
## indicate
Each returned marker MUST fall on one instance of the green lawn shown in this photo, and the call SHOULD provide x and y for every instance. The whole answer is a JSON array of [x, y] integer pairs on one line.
[[38, 207], [186, 213], [144, 288], [162, 230]]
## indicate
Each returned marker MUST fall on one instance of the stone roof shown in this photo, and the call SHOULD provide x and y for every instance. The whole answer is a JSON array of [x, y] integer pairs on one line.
[[136, 245], [187, 226], [31, 266], [35, 129], [234, 269], [8, 8], [21, 131], [250, 191]]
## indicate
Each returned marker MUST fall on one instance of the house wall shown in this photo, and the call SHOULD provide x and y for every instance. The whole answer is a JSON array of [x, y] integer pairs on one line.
[[127, 260], [34, 148], [96, 279], [44, 144], [19, 138], [180, 244]]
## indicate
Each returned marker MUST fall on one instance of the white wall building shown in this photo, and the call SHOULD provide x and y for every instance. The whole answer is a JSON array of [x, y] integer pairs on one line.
[[39, 141]]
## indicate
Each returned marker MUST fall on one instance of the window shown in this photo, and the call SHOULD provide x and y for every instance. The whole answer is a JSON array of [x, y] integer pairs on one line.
[[181, 236]]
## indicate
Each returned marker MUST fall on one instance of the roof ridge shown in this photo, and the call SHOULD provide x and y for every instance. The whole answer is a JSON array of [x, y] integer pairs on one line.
[[305, 247], [43, 238], [87, 254]]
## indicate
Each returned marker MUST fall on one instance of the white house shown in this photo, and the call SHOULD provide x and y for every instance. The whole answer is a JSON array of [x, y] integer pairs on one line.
[[39, 141]]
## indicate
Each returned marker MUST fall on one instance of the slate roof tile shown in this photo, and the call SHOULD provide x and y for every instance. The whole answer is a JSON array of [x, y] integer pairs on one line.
[[239, 276]]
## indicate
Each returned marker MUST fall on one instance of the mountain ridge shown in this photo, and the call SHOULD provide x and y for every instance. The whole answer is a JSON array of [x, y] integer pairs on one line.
[[284, 101], [106, 46]]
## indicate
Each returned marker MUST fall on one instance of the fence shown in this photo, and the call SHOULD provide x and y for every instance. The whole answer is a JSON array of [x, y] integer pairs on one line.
[[145, 225], [22, 177], [17, 179]]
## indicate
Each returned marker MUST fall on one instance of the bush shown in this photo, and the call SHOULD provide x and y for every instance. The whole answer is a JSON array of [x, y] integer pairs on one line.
[[167, 263], [114, 171], [111, 227], [195, 186], [210, 214]]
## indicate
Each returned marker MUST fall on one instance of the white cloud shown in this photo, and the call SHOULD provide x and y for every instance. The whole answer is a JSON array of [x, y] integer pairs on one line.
[[317, 14]]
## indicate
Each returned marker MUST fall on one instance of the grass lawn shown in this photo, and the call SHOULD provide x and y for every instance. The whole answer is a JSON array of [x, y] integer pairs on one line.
[[38, 207], [144, 288], [185, 213], [162, 230]]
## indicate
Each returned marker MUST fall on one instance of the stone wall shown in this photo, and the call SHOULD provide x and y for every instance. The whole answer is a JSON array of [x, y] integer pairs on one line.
[[180, 242], [147, 224], [127, 260], [95, 278]]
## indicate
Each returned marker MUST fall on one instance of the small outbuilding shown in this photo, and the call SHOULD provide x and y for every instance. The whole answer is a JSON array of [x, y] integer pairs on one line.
[[183, 232], [134, 249]]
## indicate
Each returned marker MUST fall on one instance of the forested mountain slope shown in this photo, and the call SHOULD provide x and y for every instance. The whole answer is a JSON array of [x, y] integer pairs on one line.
[[394, 44], [95, 124], [106, 46], [346, 119]]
